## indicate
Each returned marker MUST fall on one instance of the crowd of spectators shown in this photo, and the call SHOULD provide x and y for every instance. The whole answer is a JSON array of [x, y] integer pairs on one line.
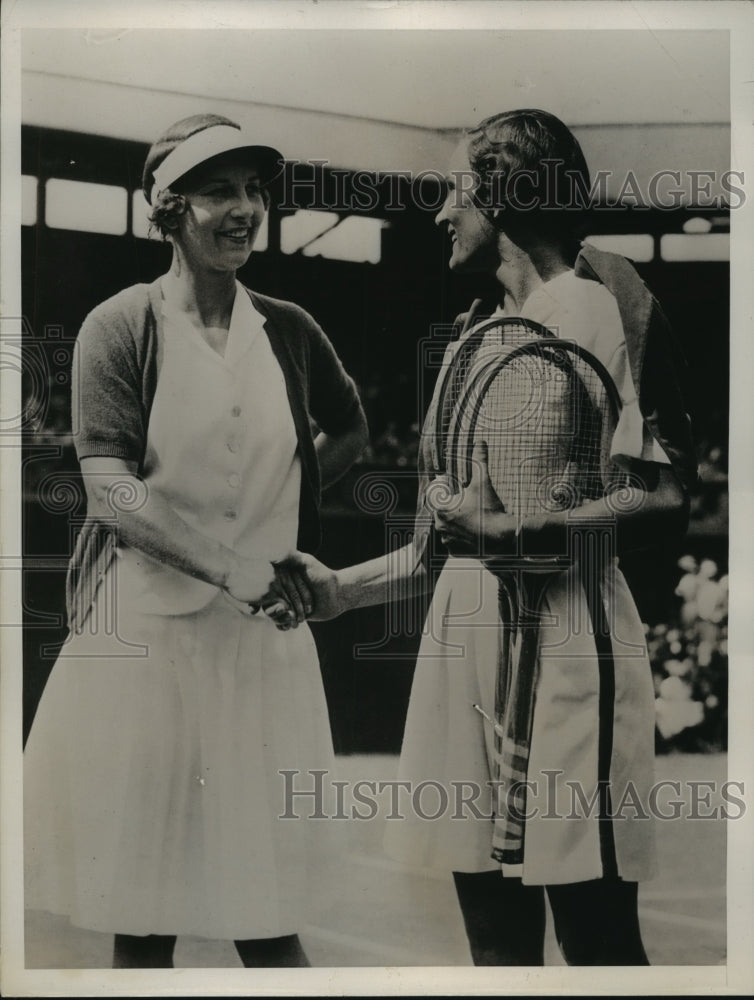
[[689, 658]]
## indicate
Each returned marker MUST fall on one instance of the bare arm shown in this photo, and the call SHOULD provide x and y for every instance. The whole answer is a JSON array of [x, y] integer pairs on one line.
[[148, 523], [474, 522], [391, 577], [641, 515]]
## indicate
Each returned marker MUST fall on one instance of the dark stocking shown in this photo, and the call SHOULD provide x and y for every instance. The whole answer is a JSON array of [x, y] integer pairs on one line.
[[272, 953], [152, 951], [597, 922], [505, 920]]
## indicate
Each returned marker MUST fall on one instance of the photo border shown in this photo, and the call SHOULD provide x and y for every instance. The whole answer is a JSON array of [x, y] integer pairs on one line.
[[737, 976]]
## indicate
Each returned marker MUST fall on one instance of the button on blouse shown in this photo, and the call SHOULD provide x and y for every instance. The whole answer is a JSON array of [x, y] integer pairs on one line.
[[231, 472]]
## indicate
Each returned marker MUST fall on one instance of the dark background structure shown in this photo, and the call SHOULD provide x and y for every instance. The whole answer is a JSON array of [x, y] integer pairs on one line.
[[381, 317]]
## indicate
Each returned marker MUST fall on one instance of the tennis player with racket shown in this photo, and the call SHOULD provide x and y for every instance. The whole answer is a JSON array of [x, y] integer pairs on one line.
[[555, 441]]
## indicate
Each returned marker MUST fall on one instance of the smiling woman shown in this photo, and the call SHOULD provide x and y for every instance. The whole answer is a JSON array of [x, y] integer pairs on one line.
[[220, 216], [152, 768]]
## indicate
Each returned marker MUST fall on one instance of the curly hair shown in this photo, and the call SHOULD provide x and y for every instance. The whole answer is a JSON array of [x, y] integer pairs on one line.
[[171, 203], [532, 172]]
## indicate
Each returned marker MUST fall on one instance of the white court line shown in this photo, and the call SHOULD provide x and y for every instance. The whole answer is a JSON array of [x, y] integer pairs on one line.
[[682, 919], [398, 956]]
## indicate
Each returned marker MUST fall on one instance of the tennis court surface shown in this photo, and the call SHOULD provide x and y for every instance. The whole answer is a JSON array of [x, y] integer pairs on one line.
[[385, 914]]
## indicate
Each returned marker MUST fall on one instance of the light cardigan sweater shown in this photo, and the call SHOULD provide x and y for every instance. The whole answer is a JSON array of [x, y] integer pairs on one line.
[[655, 356], [117, 364]]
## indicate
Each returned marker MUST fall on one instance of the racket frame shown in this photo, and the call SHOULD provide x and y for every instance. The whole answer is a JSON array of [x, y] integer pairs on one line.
[[473, 341]]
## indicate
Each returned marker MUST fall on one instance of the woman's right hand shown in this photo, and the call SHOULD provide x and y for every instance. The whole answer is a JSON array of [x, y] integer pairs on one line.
[[300, 573]]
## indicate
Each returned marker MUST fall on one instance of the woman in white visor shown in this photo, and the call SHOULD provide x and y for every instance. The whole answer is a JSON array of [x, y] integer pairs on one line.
[[154, 771]]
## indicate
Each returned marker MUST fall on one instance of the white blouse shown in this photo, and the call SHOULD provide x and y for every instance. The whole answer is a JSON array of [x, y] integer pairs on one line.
[[221, 450]]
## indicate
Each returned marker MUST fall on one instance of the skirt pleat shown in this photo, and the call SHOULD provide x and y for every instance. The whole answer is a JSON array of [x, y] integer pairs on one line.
[[153, 785]]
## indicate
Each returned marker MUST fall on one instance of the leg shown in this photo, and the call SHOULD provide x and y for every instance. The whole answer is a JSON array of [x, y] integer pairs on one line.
[[272, 953], [505, 920], [597, 923], [152, 951]]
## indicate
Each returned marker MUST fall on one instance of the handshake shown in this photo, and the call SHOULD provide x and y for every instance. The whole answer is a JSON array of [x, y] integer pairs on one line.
[[289, 591]]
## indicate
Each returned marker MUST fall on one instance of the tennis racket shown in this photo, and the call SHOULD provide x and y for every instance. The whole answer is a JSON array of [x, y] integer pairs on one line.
[[486, 342], [547, 411], [478, 344]]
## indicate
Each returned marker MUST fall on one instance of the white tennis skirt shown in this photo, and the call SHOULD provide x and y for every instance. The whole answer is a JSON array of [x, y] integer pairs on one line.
[[448, 743], [153, 777]]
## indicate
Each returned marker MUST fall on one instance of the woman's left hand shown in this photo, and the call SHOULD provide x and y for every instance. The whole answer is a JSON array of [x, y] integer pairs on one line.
[[474, 522]]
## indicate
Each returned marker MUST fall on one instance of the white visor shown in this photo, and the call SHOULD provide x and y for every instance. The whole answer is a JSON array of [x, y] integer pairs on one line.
[[210, 142]]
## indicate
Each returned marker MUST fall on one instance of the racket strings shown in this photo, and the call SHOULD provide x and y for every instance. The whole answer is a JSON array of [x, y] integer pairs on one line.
[[547, 419], [546, 410], [483, 345]]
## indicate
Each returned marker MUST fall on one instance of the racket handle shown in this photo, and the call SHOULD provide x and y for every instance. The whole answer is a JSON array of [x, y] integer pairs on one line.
[[531, 598]]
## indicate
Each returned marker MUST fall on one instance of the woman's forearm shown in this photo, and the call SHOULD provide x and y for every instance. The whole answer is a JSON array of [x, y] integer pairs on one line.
[[391, 577], [145, 521], [638, 518]]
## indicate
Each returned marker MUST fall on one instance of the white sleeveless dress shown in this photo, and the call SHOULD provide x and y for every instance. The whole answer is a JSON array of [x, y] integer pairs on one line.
[[153, 785]]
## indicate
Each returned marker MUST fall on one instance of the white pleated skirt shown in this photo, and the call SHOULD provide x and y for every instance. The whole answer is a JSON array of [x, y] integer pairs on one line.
[[154, 784]]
